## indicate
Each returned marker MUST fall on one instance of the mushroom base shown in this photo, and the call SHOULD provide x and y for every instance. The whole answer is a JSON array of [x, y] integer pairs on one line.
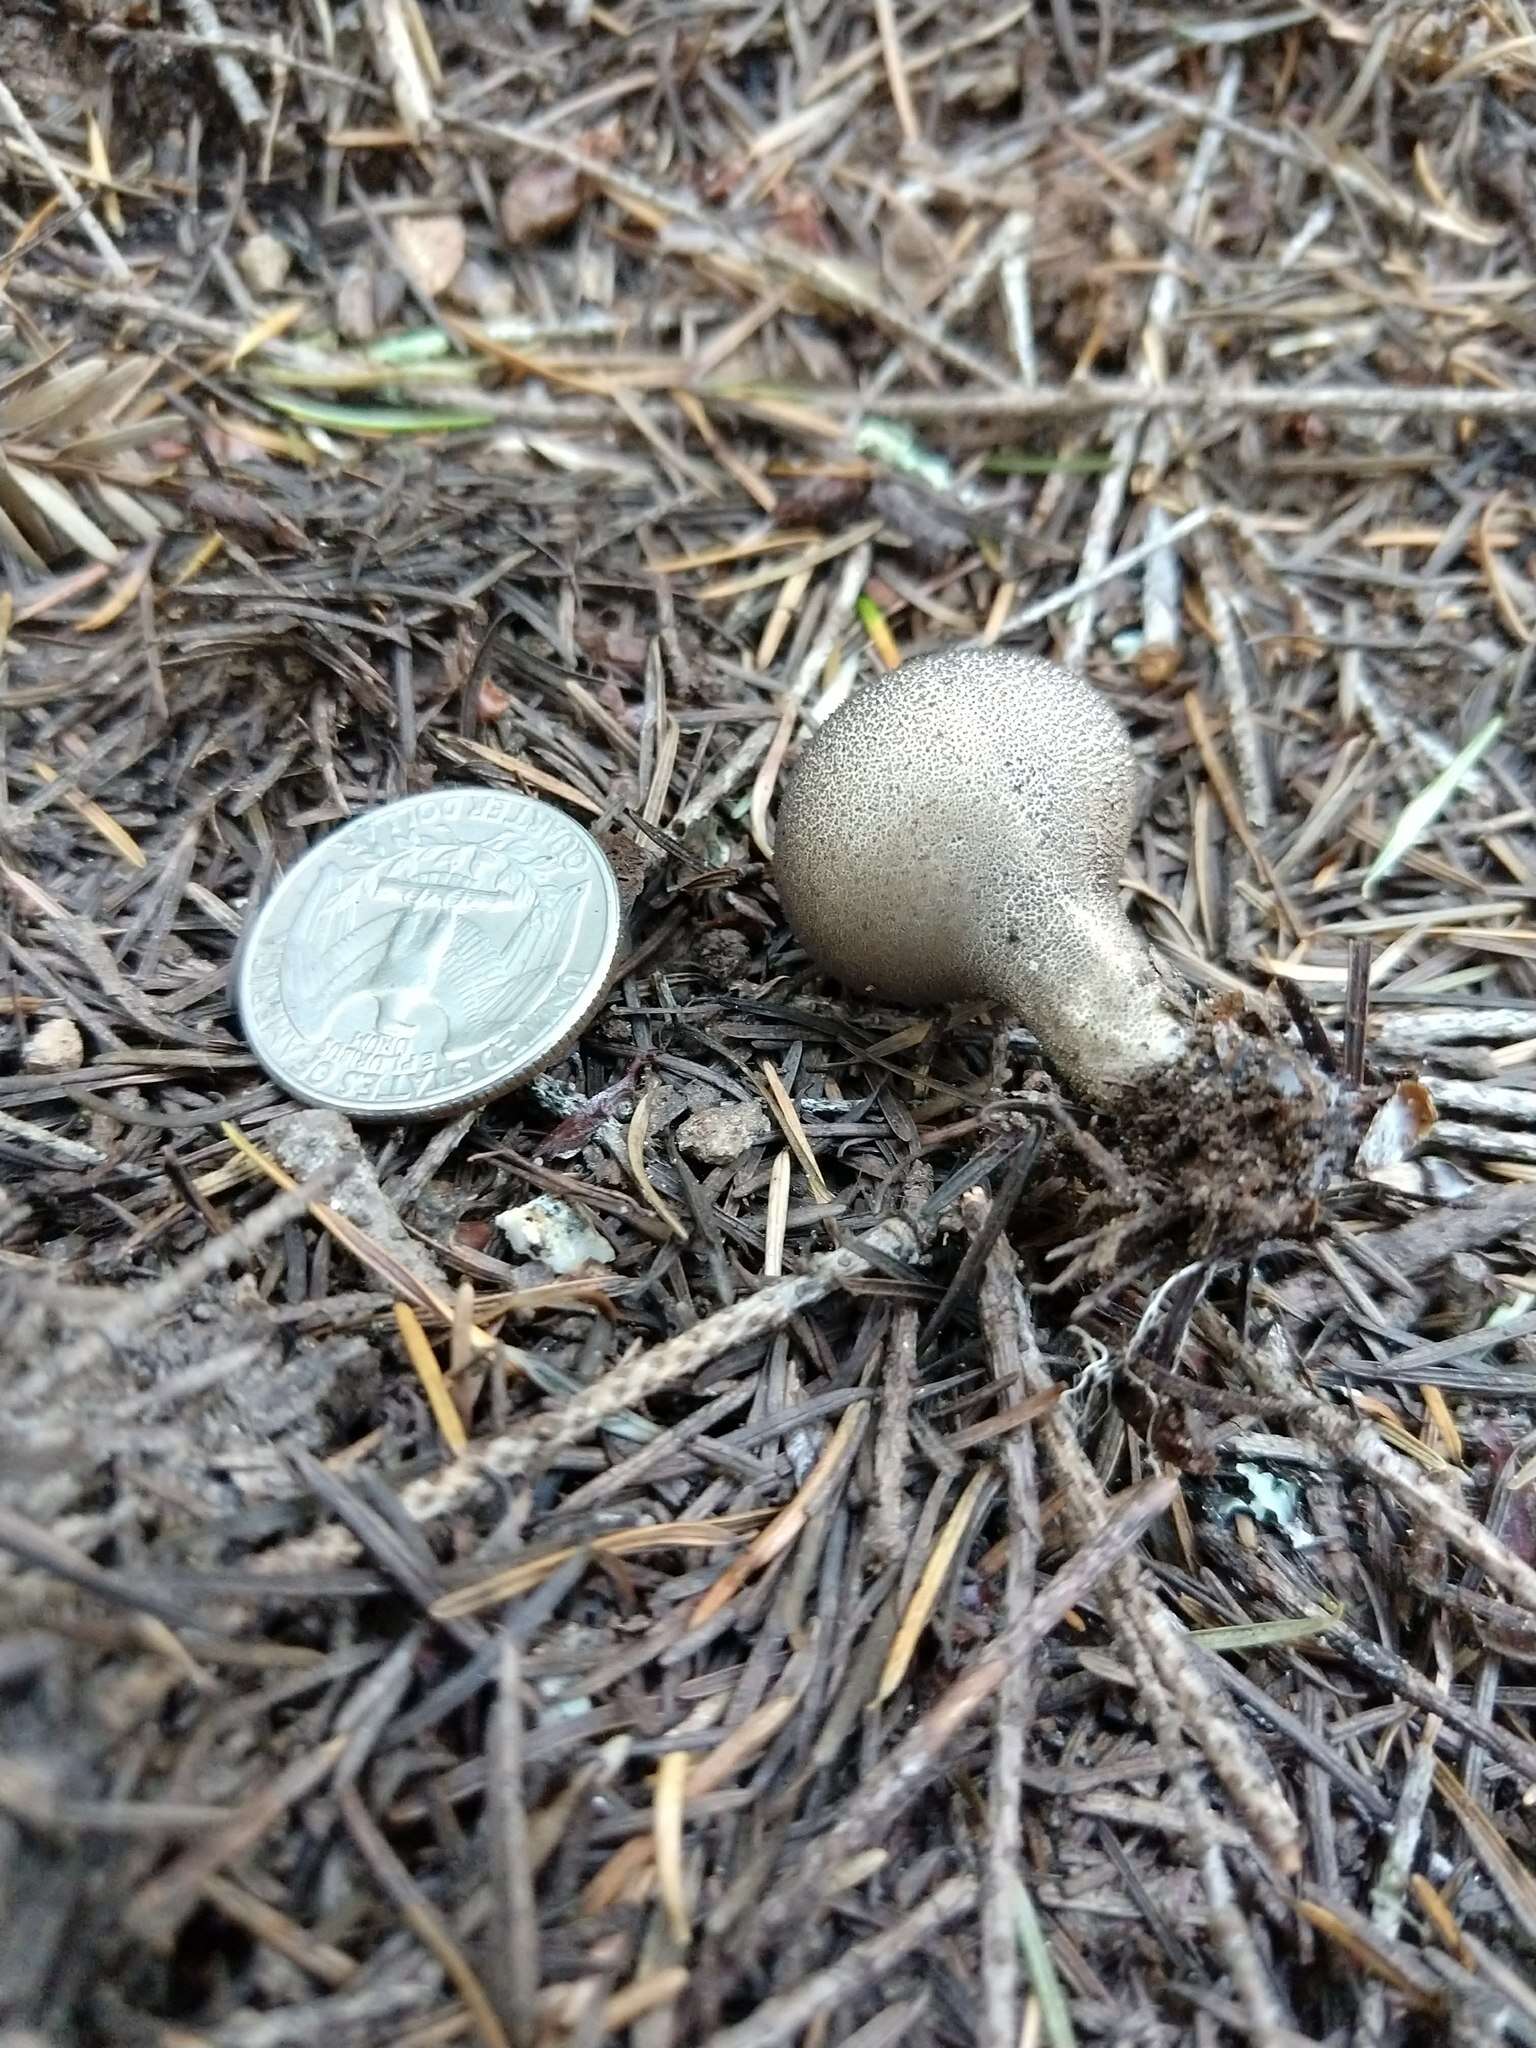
[[1235, 1144]]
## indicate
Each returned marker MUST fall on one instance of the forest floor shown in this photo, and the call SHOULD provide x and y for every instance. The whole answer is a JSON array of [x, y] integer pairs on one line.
[[880, 1597]]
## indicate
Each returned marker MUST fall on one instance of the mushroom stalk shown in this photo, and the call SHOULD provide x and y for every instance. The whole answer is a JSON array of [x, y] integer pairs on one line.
[[1108, 1023], [956, 831]]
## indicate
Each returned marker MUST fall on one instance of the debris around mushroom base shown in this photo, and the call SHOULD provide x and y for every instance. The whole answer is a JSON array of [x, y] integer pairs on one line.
[[1233, 1145]]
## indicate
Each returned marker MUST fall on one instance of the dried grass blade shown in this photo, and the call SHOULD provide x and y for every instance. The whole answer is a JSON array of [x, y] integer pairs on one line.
[[207, 550], [878, 627], [627, 1873], [101, 171], [735, 551], [1485, 550], [790, 1520], [399, 62], [118, 837], [757, 490], [766, 779], [59, 509], [528, 1572], [1265, 1635], [926, 1593], [639, 1127], [52, 399], [1364, 1945], [1421, 813], [786, 609], [667, 1842], [794, 1131], [1494, 1853], [128, 508], [430, 1373], [1040, 1964], [120, 597], [524, 771], [401, 1282], [277, 322], [759, 579], [16, 543], [1438, 1913], [646, 1994], [378, 421]]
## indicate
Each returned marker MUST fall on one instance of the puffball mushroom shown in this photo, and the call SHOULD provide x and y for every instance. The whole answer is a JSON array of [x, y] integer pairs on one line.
[[957, 831]]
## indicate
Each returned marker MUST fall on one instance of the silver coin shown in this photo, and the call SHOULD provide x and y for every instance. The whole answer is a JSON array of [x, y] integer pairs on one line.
[[429, 954]]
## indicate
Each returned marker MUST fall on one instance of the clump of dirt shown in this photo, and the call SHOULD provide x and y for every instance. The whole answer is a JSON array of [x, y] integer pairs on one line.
[[212, 1401], [47, 64], [1239, 1143]]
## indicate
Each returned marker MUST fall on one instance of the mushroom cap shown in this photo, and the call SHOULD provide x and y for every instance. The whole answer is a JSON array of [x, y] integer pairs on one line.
[[956, 831], [936, 822]]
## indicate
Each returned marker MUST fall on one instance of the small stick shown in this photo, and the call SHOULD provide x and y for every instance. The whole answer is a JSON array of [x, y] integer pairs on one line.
[[1031, 614], [514, 1941], [1006, 239], [1013, 283], [634, 1379], [1404, 207], [1357, 1007], [983, 406], [1390, 1892], [1010, 1337], [790, 2015], [247, 102], [989, 1227], [893, 1437], [881, 1798], [1228, 1929], [1347, 1437], [1156, 1645], [1425, 1240], [1162, 583], [1252, 769], [1162, 305], [895, 71], [727, 779], [1157, 660], [100, 240]]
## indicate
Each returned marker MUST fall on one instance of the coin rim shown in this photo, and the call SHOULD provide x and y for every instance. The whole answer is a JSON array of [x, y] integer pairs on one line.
[[438, 1106]]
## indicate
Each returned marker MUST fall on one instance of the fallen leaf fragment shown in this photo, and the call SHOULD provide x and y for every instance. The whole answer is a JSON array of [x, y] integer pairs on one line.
[[431, 249]]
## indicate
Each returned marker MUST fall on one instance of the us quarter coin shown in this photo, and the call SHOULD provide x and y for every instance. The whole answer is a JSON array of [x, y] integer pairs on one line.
[[429, 954]]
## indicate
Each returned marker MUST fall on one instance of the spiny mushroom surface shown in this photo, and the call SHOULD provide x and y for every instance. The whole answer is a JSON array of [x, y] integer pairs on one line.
[[957, 830]]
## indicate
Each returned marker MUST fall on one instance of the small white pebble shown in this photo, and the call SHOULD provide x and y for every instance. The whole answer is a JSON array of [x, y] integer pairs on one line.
[[264, 263], [484, 291], [717, 1136], [549, 1229], [55, 1047]]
